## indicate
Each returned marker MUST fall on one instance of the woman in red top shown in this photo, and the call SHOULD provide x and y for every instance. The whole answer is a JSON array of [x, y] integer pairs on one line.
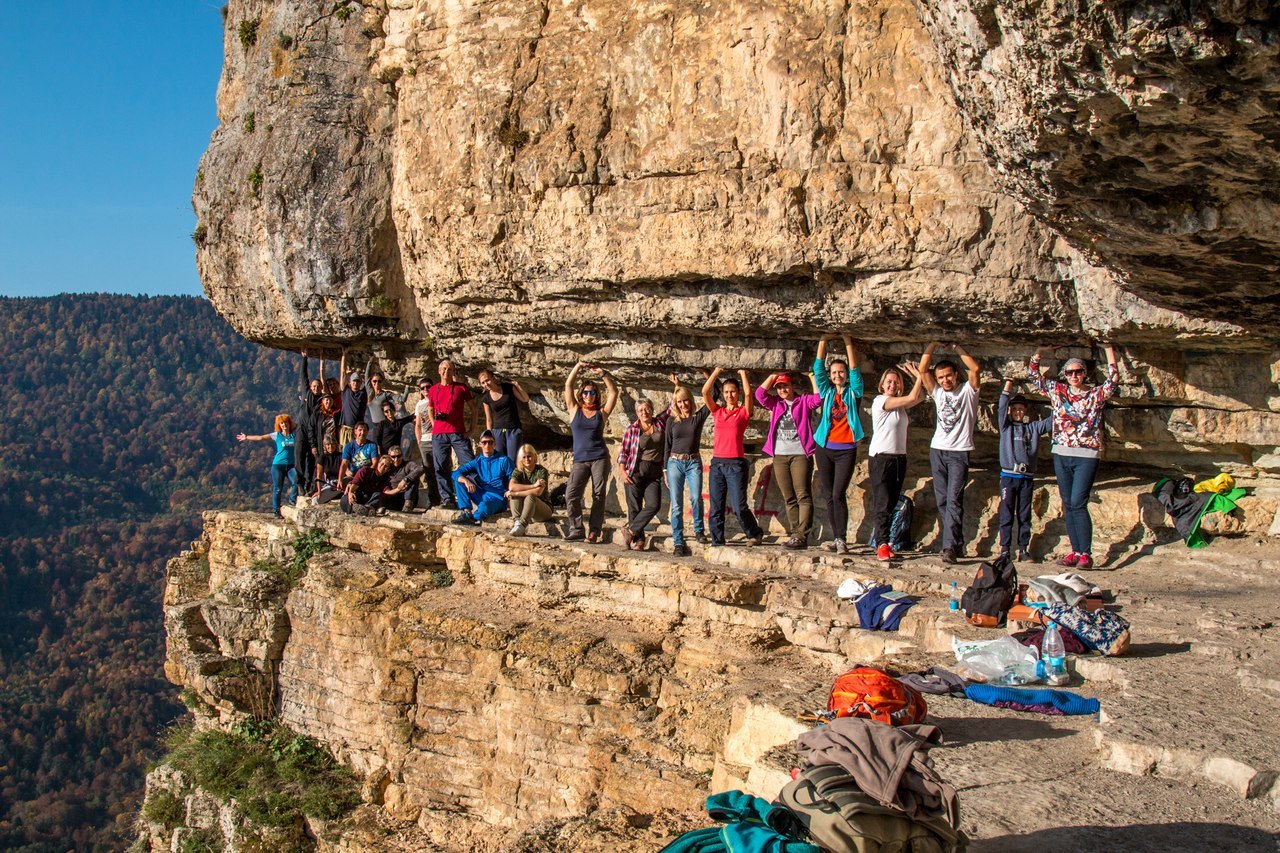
[[730, 470]]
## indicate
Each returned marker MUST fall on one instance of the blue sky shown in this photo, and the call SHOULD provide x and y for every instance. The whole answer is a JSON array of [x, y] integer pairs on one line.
[[105, 108]]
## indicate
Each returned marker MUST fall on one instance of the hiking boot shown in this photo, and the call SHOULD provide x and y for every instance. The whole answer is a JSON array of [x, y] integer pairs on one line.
[[517, 528], [574, 536], [885, 553], [682, 550], [1085, 562], [593, 538], [949, 556], [1025, 557], [1070, 561], [360, 509], [795, 543], [465, 519], [755, 541], [842, 548], [704, 539]]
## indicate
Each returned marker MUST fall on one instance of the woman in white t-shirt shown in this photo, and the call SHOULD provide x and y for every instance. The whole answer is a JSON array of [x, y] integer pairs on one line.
[[887, 456]]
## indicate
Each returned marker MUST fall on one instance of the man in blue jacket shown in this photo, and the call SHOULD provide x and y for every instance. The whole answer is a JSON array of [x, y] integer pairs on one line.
[[482, 483], [1019, 447]]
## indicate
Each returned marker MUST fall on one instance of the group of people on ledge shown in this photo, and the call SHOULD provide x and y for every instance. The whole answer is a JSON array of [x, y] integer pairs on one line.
[[814, 427]]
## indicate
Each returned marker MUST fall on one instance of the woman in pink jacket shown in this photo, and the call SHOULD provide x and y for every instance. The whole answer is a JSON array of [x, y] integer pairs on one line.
[[790, 443]]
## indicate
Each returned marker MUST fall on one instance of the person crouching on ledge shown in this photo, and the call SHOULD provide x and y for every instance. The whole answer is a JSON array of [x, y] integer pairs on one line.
[[480, 485]]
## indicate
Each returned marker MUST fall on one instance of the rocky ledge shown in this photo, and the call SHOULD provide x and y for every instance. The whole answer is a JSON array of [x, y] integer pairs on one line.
[[521, 694]]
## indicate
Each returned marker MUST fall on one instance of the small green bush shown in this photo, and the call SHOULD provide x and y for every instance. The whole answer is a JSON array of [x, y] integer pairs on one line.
[[285, 41], [201, 841], [305, 546], [165, 808], [382, 303], [250, 122], [248, 33], [342, 10], [442, 578], [512, 135], [199, 235], [255, 181], [275, 775]]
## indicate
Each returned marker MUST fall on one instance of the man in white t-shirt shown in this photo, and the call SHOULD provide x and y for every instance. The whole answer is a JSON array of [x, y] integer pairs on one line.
[[955, 400]]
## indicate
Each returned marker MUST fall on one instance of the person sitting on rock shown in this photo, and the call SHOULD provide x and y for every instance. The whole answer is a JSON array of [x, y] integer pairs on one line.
[[640, 461], [453, 418], [357, 453], [410, 473], [587, 418], [528, 491], [789, 442], [282, 463], [955, 399], [837, 434], [480, 485], [1077, 443], [887, 451], [371, 489], [502, 412], [1019, 448], [328, 469], [730, 470], [387, 431]]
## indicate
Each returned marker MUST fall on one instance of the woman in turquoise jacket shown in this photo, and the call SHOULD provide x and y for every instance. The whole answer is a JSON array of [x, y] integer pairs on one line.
[[838, 432]]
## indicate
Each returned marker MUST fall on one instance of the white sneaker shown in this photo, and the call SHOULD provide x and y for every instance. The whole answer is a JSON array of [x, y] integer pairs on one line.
[[841, 547], [517, 528]]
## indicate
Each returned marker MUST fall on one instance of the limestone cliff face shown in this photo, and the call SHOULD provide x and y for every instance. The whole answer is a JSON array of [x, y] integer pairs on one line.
[[657, 184], [1145, 132]]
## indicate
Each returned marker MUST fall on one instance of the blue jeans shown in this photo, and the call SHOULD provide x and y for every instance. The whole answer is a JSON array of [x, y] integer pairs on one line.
[[728, 479], [440, 446], [280, 474], [680, 472], [508, 441], [486, 502], [1075, 482]]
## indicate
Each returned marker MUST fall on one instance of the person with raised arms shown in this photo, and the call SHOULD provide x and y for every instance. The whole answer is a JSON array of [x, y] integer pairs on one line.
[[955, 401], [587, 417], [790, 443], [839, 383], [730, 471], [887, 452], [282, 463]]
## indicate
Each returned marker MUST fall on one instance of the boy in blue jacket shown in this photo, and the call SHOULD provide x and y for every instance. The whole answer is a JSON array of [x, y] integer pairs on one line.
[[482, 483], [1019, 447]]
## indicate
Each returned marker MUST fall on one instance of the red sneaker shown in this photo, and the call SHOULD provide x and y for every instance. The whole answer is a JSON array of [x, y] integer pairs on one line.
[[884, 552], [1085, 562], [1069, 561]]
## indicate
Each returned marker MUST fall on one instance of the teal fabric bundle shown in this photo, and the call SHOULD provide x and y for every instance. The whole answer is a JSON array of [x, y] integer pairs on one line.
[[746, 829], [1064, 700]]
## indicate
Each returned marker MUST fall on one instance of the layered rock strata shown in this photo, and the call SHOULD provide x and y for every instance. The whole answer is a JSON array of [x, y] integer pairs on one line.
[[657, 186], [552, 683]]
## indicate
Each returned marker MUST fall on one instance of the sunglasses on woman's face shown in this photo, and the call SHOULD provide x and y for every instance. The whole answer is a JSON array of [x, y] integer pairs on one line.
[[588, 393], [1074, 372]]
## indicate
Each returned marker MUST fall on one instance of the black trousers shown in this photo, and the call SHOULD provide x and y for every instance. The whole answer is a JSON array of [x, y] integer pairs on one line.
[[887, 472], [835, 472], [1015, 503], [304, 462], [644, 495]]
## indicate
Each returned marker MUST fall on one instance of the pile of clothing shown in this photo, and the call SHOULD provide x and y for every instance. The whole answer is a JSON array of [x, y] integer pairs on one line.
[[880, 607], [1202, 509], [865, 787]]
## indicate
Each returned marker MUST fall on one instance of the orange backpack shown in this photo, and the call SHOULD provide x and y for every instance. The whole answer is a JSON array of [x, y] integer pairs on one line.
[[874, 694]]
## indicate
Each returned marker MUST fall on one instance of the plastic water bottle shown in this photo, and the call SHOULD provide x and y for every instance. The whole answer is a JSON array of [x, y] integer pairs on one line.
[[954, 604], [1054, 654]]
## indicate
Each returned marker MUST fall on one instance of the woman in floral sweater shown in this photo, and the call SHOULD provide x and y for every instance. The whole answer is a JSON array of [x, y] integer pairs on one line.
[[1077, 443]]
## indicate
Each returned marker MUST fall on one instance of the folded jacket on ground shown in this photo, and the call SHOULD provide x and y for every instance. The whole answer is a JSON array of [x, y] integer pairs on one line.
[[935, 680], [1049, 590], [878, 613], [890, 764], [749, 828], [1064, 700]]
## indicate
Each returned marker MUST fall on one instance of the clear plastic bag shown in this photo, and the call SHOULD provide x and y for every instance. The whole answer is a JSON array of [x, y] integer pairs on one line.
[[1001, 661]]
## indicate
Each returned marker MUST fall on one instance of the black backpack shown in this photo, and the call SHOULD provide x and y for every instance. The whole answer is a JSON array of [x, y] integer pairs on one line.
[[994, 589]]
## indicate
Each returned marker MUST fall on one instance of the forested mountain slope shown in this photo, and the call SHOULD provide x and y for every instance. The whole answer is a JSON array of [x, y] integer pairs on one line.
[[118, 422]]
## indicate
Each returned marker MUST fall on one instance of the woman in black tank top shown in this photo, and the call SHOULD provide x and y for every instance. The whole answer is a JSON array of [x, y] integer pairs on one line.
[[502, 412], [587, 418]]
